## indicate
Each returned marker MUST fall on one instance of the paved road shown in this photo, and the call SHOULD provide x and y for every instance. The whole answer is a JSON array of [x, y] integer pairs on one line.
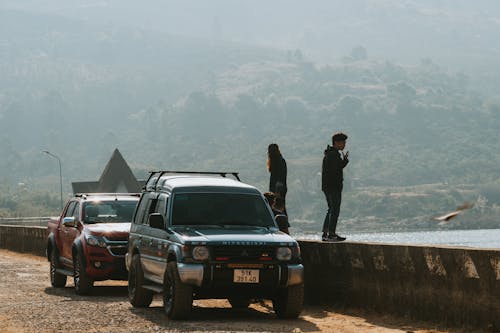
[[29, 304]]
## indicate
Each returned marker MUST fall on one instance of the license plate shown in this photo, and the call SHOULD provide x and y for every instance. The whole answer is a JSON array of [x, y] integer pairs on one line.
[[246, 276]]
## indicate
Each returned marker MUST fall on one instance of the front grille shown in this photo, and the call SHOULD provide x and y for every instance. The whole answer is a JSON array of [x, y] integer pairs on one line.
[[115, 238], [118, 250], [242, 253], [115, 246]]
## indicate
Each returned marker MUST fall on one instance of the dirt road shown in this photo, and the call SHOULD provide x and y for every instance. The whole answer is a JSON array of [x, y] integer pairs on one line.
[[29, 304]]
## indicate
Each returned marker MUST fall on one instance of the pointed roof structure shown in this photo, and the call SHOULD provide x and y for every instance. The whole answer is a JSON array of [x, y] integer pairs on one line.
[[116, 177]]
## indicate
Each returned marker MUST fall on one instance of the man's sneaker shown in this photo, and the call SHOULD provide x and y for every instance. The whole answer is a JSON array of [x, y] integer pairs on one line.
[[339, 238], [330, 238]]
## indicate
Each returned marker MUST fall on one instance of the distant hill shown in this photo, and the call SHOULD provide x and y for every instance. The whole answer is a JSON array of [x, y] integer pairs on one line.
[[423, 136]]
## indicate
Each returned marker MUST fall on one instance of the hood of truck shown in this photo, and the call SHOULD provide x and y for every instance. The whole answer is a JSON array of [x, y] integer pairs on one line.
[[233, 235], [109, 230]]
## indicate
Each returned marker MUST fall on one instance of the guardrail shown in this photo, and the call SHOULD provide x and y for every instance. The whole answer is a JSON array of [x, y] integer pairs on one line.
[[25, 221]]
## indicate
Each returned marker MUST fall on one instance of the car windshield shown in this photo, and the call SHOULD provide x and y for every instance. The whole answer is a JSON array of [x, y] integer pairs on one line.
[[109, 211], [222, 209]]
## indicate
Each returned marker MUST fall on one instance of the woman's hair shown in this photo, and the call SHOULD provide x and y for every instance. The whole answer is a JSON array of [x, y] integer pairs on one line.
[[269, 197], [279, 203], [273, 153]]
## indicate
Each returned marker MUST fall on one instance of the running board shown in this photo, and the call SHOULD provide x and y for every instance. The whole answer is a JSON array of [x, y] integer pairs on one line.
[[64, 271], [153, 287]]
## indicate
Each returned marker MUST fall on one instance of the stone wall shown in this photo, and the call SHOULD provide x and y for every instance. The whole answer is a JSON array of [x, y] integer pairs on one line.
[[456, 286]]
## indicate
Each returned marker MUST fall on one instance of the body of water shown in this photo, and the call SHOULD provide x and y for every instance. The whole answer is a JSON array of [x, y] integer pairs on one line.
[[483, 238]]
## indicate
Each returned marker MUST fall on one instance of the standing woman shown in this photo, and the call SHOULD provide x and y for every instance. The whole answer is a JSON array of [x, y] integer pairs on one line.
[[276, 165]]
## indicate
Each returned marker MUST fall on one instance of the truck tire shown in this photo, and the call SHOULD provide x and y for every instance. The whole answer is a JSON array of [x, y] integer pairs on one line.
[[83, 283], [57, 280], [137, 295], [239, 302], [177, 296], [289, 302]]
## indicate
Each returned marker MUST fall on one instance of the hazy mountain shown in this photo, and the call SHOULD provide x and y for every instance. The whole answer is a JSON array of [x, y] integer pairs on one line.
[[447, 30], [208, 85]]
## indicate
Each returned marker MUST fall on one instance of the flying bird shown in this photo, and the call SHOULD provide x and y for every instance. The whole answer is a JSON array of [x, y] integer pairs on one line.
[[447, 217]]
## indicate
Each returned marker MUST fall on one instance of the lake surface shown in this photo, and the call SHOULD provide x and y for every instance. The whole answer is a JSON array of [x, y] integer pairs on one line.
[[483, 238]]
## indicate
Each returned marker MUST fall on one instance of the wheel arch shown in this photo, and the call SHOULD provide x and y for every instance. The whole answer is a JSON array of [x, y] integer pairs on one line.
[[174, 254], [77, 247], [51, 244]]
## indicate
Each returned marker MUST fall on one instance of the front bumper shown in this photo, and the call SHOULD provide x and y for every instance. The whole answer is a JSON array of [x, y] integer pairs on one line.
[[101, 265], [221, 275]]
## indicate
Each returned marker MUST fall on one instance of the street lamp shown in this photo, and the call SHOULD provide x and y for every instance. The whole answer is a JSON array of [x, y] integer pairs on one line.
[[60, 172]]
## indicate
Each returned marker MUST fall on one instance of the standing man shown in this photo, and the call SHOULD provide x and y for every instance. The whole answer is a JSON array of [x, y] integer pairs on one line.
[[332, 178]]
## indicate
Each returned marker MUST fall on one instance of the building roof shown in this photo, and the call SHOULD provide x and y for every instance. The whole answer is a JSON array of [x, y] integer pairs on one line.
[[84, 187], [116, 177]]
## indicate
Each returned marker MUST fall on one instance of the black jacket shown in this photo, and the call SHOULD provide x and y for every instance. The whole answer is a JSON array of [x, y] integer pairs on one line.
[[278, 175], [332, 174]]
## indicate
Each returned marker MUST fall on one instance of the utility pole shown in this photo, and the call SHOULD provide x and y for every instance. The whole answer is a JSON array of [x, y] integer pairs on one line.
[[60, 174]]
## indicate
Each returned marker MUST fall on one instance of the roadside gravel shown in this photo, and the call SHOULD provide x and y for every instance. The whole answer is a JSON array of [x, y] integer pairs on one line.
[[29, 304]]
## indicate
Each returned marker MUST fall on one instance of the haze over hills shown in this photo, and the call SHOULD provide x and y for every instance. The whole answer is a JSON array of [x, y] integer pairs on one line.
[[448, 30], [208, 85]]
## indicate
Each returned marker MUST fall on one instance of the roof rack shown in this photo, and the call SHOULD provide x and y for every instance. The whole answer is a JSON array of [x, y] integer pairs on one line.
[[107, 194], [163, 172]]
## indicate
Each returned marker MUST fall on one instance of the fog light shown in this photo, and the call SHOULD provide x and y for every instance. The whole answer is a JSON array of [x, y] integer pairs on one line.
[[97, 264]]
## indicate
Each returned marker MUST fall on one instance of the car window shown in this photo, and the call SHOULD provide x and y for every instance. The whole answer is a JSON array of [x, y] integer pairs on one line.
[[151, 208], [220, 209], [139, 214], [76, 212], [69, 211], [161, 205]]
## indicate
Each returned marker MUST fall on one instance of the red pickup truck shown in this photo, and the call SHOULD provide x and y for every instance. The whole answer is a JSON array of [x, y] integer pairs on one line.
[[89, 240]]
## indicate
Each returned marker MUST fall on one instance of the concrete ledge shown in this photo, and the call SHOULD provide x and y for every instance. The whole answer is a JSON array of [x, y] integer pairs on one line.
[[456, 286]]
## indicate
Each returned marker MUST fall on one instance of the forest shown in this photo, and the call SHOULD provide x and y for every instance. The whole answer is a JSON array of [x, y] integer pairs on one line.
[[423, 133]]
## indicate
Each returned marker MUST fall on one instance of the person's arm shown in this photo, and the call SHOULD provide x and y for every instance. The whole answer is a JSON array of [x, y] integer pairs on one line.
[[345, 159], [284, 172], [279, 171]]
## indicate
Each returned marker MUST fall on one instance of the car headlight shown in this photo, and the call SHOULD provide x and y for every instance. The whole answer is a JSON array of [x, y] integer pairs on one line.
[[95, 241], [283, 253], [201, 253]]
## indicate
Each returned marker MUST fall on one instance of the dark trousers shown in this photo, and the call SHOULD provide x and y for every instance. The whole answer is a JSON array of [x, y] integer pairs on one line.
[[282, 194], [333, 200]]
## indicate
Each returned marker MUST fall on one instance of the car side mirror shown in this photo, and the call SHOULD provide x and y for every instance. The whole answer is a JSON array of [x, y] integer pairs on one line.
[[69, 222], [156, 221]]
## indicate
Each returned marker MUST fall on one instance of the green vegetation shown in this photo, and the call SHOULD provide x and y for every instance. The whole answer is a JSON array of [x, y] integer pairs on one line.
[[422, 138]]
